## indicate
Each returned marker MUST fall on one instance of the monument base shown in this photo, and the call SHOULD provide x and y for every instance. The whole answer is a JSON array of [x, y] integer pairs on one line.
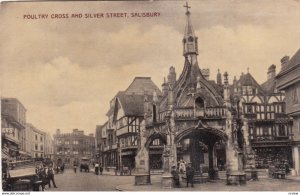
[[167, 181], [142, 179], [236, 178], [251, 174]]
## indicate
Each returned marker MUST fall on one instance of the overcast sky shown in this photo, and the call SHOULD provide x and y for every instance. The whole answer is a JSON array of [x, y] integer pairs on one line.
[[65, 71]]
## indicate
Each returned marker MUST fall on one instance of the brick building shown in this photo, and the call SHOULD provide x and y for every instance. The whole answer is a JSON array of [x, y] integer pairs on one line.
[[70, 147]]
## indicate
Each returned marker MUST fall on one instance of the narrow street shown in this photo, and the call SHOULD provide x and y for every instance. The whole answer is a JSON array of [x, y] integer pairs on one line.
[[83, 181]]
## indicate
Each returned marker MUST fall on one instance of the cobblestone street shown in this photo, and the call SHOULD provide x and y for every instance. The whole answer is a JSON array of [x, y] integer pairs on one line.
[[81, 181]]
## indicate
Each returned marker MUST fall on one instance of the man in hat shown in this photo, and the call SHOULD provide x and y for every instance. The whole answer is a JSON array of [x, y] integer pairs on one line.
[[51, 176], [190, 175], [175, 175]]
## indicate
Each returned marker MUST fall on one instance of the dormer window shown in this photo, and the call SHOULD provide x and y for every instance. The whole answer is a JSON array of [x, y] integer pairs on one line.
[[191, 39], [249, 90]]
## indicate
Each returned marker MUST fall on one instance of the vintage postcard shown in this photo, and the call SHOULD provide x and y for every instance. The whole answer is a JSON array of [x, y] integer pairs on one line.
[[150, 95]]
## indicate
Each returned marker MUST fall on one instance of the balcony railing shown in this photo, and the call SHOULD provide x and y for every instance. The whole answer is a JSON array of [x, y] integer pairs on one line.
[[209, 112]]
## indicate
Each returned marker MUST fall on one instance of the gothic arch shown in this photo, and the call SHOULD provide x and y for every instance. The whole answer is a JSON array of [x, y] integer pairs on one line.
[[206, 132], [154, 136]]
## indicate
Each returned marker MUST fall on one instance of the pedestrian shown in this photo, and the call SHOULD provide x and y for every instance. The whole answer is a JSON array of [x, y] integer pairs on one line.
[[101, 169], [75, 166], [43, 177], [175, 175], [97, 168], [182, 168], [62, 168], [51, 176], [190, 175]]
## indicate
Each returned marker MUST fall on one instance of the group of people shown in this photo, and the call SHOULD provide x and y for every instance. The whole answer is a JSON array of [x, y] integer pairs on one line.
[[46, 175], [181, 169], [98, 168]]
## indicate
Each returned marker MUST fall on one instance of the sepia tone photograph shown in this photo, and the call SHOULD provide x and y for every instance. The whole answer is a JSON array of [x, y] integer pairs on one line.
[[150, 96]]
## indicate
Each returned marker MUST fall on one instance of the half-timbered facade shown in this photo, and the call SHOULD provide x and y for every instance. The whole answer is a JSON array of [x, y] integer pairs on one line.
[[120, 132], [270, 129]]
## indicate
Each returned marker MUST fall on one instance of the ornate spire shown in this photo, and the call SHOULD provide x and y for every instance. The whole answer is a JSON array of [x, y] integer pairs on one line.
[[189, 31], [190, 41]]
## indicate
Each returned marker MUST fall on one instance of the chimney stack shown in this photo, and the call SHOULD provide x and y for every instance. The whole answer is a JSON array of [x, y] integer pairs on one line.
[[164, 88], [271, 71], [284, 61]]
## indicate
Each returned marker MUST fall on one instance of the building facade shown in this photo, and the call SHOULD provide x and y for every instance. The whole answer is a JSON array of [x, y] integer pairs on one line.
[[71, 147], [49, 147], [13, 124], [38, 142], [118, 136], [288, 80], [212, 124], [270, 128]]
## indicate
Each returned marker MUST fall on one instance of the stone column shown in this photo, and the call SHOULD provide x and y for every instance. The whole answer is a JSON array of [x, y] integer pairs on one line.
[[249, 166], [212, 169], [234, 173], [142, 170], [296, 159], [169, 154]]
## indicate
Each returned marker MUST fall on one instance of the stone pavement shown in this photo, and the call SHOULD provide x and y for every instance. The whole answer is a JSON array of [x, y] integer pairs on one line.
[[263, 184]]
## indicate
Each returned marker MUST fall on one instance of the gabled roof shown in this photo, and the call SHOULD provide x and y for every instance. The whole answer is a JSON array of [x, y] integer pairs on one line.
[[293, 62], [269, 85], [142, 84], [248, 80], [111, 109], [289, 73]]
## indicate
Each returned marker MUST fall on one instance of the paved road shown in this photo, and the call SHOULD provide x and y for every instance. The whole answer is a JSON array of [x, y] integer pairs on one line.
[[81, 181]]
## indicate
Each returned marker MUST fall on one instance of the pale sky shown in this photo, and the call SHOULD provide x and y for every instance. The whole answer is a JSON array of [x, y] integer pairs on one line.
[[65, 71]]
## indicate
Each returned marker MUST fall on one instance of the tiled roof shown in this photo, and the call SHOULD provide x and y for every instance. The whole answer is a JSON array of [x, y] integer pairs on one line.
[[269, 85], [294, 61], [142, 84], [248, 80], [133, 105]]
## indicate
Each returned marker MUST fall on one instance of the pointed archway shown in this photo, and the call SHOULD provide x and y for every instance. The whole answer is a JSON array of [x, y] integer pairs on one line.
[[207, 137]]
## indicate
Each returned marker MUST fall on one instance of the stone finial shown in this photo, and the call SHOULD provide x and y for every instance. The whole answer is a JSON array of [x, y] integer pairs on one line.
[[225, 78]]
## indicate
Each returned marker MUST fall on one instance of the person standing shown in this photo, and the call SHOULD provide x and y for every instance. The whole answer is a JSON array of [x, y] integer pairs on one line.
[[51, 176], [62, 168], [175, 175], [97, 168], [75, 166], [190, 175], [101, 169], [43, 177]]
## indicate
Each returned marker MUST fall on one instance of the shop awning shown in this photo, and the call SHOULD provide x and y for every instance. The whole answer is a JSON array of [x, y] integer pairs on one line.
[[23, 153], [4, 155]]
